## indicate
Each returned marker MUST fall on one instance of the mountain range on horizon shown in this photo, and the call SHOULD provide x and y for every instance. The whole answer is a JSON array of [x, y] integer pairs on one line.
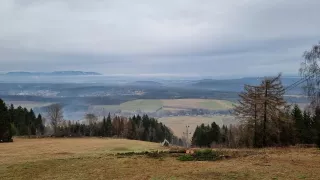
[[54, 73]]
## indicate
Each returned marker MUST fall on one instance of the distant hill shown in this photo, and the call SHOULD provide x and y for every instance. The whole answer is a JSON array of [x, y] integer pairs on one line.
[[215, 82], [55, 73], [236, 85], [146, 83]]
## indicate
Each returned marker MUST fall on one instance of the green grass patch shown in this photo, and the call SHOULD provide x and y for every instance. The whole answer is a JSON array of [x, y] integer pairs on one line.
[[145, 105], [186, 157], [217, 104]]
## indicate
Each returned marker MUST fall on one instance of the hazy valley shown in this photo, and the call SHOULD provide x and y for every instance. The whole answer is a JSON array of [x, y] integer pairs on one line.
[[205, 100]]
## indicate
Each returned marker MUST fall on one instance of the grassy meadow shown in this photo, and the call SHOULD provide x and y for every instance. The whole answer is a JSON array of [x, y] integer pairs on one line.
[[210, 104], [153, 105], [92, 158]]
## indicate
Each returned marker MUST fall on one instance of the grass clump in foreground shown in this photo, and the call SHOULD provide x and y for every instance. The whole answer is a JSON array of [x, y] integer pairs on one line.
[[153, 154], [202, 155]]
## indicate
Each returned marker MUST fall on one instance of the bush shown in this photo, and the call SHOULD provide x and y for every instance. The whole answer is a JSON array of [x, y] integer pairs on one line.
[[186, 157], [207, 155]]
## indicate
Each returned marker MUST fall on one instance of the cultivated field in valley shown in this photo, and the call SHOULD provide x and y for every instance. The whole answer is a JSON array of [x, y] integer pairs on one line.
[[178, 123], [135, 105], [210, 104], [153, 105], [91, 158]]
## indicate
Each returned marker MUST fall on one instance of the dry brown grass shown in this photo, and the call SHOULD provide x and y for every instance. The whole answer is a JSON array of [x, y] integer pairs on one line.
[[23, 150], [282, 163]]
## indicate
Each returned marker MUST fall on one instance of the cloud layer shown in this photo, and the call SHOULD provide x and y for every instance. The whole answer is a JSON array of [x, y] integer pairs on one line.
[[187, 37]]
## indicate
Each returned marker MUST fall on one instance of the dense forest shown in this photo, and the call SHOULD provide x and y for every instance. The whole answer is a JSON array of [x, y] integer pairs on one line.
[[18, 121], [297, 127]]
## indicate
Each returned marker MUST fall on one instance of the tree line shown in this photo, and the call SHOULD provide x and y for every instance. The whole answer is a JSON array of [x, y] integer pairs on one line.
[[18, 121], [136, 128], [23, 122], [301, 127]]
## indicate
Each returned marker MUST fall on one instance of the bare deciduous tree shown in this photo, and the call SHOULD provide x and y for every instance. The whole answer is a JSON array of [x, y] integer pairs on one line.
[[310, 71], [54, 115], [91, 120]]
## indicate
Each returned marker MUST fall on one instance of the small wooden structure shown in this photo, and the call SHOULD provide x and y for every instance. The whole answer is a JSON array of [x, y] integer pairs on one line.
[[165, 143]]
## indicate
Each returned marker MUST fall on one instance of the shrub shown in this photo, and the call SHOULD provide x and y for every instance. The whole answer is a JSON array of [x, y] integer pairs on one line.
[[207, 155], [186, 157]]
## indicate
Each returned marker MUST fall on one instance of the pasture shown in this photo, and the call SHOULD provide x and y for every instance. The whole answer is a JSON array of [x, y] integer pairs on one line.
[[178, 123], [154, 105], [210, 104], [91, 158]]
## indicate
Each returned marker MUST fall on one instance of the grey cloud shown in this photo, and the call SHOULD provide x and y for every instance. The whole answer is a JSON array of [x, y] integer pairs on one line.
[[242, 37]]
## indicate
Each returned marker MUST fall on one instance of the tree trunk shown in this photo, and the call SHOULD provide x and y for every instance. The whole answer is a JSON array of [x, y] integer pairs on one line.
[[264, 138]]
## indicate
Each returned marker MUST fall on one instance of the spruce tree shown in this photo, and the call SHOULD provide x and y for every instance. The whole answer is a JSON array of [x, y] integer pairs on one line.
[[5, 125], [109, 126], [39, 125], [299, 124], [32, 123], [214, 133], [317, 126], [104, 126], [131, 129], [307, 132]]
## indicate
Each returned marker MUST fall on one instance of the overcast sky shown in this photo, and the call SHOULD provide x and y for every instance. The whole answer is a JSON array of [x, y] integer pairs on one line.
[[164, 37]]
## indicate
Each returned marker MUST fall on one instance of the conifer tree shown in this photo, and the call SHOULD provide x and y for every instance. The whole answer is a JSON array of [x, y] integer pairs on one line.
[[307, 132], [299, 124], [109, 126], [317, 126], [39, 125], [5, 126], [104, 126]]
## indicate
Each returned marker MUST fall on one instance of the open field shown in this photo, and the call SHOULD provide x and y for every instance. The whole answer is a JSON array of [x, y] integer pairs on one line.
[[153, 105], [135, 105], [141, 104], [178, 123], [89, 158], [210, 104]]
